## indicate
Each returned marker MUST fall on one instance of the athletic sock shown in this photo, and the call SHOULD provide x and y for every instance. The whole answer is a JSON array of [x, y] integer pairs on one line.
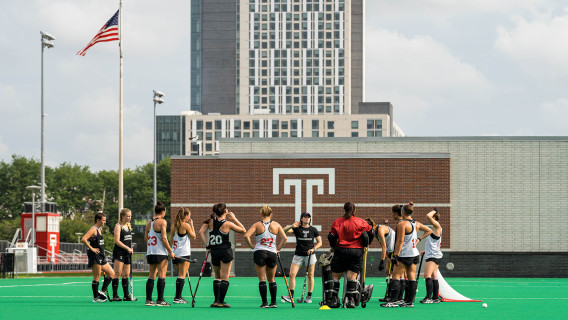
[[95, 287], [223, 290], [149, 289], [429, 287], [161, 286], [309, 294], [351, 293], [411, 291], [435, 289], [273, 291], [263, 291], [107, 281], [292, 293], [402, 289], [115, 287], [216, 289], [395, 289], [125, 288], [179, 287]]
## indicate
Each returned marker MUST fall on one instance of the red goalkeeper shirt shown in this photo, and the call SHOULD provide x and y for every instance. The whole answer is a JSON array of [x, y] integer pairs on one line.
[[349, 231]]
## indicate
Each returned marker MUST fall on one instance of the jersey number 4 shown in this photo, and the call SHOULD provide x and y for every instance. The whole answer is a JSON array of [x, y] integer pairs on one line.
[[215, 240]]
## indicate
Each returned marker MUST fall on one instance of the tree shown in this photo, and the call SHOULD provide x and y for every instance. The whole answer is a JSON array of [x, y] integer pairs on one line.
[[14, 177]]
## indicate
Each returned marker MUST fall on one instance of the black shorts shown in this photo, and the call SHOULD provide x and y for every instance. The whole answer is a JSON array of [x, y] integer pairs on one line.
[[408, 261], [122, 256], [176, 260], [265, 258], [347, 259], [222, 254], [435, 260], [155, 258], [95, 258]]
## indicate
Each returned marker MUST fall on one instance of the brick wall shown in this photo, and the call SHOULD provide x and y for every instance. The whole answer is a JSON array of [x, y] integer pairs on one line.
[[373, 184]]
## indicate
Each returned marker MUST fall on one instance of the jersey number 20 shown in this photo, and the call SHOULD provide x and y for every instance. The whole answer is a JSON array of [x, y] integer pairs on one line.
[[215, 240]]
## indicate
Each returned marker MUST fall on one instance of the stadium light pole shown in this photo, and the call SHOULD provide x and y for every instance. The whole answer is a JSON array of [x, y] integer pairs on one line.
[[33, 188], [157, 100], [46, 42]]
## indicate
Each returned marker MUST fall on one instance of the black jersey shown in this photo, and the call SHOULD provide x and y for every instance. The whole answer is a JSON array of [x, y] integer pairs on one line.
[[97, 241], [217, 238], [304, 239], [125, 238]]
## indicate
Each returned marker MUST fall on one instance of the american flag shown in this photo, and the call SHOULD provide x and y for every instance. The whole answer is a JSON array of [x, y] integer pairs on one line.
[[109, 32]]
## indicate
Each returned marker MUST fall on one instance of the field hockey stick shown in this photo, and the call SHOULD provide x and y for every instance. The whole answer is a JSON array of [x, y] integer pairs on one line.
[[419, 267], [186, 260], [285, 280], [198, 280], [131, 280], [305, 280], [364, 304], [389, 276]]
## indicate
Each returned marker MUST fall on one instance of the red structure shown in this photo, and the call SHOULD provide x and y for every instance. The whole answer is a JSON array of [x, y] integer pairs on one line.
[[47, 233]]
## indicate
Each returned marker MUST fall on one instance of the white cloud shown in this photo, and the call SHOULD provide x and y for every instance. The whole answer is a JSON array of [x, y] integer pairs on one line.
[[417, 66], [539, 45]]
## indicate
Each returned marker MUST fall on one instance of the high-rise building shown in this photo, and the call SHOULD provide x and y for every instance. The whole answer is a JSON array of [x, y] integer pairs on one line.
[[277, 56]]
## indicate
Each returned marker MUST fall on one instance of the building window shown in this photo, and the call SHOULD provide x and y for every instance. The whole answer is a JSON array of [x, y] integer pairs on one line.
[[315, 134], [208, 125], [208, 147], [354, 134], [330, 134], [199, 124], [315, 124], [354, 124], [330, 125]]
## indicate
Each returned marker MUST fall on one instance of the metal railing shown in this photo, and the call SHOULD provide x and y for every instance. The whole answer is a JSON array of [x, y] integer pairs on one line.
[[16, 237]]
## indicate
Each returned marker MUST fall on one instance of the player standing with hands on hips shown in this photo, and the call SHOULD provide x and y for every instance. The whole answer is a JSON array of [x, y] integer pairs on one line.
[[93, 239], [405, 257], [304, 254], [122, 255], [265, 253], [348, 236], [221, 223], [158, 250], [433, 255], [181, 231]]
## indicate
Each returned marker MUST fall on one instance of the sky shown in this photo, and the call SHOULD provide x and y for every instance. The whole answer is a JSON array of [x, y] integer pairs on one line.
[[449, 67]]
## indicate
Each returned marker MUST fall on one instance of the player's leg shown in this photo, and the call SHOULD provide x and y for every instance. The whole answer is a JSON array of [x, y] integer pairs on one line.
[[96, 268], [161, 283], [435, 284], [294, 267], [107, 269], [428, 269], [397, 274], [182, 268], [311, 279], [217, 280], [272, 287], [262, 287], [411, 285], [224, 285], [118, 266]]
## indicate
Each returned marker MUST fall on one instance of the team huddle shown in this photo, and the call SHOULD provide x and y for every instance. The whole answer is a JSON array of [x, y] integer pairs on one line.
[[349, 238]]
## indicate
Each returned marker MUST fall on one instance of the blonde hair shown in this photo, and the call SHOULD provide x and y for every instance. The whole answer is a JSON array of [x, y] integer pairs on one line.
[[180, 218], [123, 213], [266, 211]]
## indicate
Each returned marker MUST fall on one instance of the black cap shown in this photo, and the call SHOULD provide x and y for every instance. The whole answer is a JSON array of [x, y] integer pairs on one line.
[[305, 214]]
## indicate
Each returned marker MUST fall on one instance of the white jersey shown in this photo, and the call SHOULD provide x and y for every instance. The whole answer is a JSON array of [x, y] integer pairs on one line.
[[155, 245], [409, 245], [266, 240], [433, 244], [181, 245], [390, 240]]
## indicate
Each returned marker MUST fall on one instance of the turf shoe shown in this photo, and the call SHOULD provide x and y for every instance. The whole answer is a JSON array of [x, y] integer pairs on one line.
[[436, 300], [222, 305], [102, 295], [180, 301], [117, 298], [162, 303], [273, 305], [406, 305], [130, 298], [390, 304], [308, 299], [149, 303], [264, 305], [98, 300], [287, 299]]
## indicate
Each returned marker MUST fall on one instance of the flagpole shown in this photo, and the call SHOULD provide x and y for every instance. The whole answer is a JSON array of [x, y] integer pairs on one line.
[[120, 131]]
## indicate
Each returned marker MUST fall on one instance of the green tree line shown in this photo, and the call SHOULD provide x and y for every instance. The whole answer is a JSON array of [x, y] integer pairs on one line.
[[78, 192]]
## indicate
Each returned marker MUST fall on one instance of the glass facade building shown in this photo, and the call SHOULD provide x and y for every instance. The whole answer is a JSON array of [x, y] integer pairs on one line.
[[170, 136]]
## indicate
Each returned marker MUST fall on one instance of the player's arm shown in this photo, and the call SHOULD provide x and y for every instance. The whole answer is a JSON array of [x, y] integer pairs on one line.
[[190, 229], [400, 231], [146, 231], [86, 237], [235, 224], [382, 241], [248, 234], [427, 231], [436, 225], [202, 231], [117, 241], [282, 239], [292, 226], [163, 233]]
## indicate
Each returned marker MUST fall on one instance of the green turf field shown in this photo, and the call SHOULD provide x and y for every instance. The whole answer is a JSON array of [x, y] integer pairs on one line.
[[70, 298]]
